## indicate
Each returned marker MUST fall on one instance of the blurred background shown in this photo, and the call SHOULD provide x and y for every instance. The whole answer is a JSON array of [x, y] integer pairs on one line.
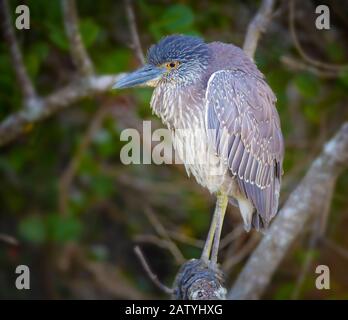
[[72, 212]]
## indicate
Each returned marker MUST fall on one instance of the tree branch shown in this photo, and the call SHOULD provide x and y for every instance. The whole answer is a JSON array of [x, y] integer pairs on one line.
[[162, 232], [133, 31], [77, 48], [257, 26], [25, 84], [149, 272], [22, 121], [307, 200], [304, 55], [198, 281], [297, 65]]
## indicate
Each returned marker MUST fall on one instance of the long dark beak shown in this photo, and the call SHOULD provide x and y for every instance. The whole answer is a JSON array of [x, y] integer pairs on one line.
[[141, 77]]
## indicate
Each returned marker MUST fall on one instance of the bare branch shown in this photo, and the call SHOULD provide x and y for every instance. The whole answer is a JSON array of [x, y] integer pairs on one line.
[[233, 235], [136, 45], [183, 238], [296, 65], [77, 49], [343, 252], [241, 254], [306, 201], [5, 238], [304, 55], [160, 229], [151, 275], [196, 280], [258, 25], [152, 239], [22, 121], [22, 76]]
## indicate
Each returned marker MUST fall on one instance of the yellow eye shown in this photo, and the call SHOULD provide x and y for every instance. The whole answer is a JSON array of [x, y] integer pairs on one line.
[[172, 65]]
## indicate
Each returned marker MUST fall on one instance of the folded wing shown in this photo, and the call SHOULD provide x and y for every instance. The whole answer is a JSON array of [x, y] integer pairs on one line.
[[245, 133]]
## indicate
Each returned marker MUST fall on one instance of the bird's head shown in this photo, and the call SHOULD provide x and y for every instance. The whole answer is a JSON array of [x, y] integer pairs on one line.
[[175, 59]]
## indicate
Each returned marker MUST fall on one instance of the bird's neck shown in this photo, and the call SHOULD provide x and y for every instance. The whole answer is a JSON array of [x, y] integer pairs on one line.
[[179, 107]]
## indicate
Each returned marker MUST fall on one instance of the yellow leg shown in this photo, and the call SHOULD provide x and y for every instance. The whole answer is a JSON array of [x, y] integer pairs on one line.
[[221, 205], [210, 237], [214, 233]]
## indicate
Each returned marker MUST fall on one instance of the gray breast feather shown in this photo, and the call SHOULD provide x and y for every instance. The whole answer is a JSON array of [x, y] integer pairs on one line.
[[240, 108]]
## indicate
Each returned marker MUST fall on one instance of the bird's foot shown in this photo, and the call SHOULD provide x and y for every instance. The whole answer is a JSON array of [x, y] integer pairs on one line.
[[199, 279]]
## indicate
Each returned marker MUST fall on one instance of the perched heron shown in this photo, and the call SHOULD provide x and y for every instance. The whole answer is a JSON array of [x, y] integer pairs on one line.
[[218, 108]]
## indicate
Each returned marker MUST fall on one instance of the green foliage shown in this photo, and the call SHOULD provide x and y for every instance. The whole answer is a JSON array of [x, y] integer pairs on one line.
[[143, 96], [284, 292], [301, 255], [58, 36], [89, 31], [104, 143], [34, 58], [176, 18], [343, 77], [61, 229], [335, 51], [103, 186], [114, 61], [32, 229], [307, 84], [54, 228], [312, 113]]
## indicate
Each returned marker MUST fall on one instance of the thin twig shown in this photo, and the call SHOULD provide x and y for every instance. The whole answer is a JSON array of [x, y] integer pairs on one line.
[[8, 239], [183, 238], [231, 236], [22, 121], [151, 275], [77, 48], [257, 26], [297, 65], [343, 252], [246, 249], [304, 55], [136, 45], [152, 239], [25, 84], [160, 229]]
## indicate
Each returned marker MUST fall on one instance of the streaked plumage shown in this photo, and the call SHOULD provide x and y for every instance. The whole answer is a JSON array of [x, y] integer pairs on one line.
[[224, 125], [232, 100]]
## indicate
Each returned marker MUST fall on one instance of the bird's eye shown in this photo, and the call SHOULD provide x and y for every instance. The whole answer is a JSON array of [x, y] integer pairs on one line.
[[172, 65]]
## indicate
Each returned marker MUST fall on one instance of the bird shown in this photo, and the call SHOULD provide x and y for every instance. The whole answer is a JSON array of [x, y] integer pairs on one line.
[[224, 125]]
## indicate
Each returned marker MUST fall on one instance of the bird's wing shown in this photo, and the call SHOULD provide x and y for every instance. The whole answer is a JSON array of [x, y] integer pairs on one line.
[[244, 131]]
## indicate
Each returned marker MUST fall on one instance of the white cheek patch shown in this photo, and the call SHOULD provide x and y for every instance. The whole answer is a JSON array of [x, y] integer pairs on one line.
[[152, 82]]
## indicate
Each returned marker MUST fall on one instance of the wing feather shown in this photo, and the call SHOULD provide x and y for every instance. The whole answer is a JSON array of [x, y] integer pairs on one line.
[[241, 112]]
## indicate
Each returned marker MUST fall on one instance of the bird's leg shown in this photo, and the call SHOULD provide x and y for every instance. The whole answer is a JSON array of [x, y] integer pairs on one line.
[[215, 226], [221, 205], [210, 237]]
